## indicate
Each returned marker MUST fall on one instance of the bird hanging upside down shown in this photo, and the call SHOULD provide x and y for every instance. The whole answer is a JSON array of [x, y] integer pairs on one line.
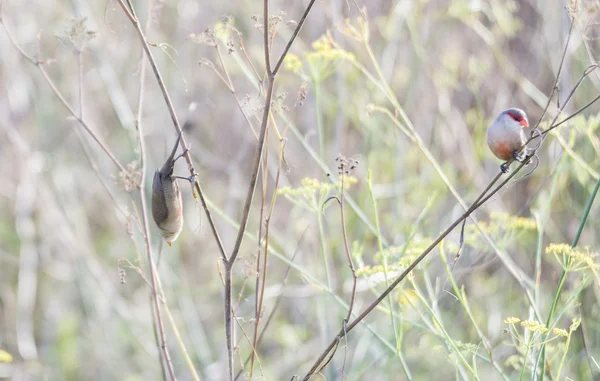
[[167, 207], [506, 137]]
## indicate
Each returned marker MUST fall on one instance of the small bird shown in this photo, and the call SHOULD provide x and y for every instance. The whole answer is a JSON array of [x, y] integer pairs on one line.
[[167, 207], [505, 136]]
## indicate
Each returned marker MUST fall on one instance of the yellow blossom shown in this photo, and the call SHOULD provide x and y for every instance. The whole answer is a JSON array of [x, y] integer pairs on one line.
[[575, 324], [534, 326], [560, 332], [511, 320], [5, 357]]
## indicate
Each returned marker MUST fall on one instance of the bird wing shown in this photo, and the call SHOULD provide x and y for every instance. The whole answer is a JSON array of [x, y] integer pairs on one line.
[[160, 211]]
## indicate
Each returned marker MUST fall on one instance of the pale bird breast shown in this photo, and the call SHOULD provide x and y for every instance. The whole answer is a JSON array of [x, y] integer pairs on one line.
[[174, 220]]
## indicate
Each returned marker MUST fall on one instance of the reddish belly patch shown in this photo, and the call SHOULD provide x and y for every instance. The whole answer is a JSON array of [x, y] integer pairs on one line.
[[503, 151]]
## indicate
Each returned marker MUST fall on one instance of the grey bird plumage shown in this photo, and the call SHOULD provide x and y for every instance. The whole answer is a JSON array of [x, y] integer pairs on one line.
[[167, 207]]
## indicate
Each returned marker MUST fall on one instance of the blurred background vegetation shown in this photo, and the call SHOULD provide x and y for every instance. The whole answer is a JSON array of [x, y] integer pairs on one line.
[[403, 88]]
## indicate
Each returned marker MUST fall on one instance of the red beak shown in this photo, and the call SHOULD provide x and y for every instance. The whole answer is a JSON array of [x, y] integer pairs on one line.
[[524, 123]]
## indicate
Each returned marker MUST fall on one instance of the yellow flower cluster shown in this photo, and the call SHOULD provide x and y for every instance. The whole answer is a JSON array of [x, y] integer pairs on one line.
[[575, 324], [292, 63], [560, 332], [582, 256], [539, 327], [534, 326], [5, 357], [310, 186], [312, 193], [368, 270], [512, 222], [580, 259], [468, 347], [511, 320], [322, 51]]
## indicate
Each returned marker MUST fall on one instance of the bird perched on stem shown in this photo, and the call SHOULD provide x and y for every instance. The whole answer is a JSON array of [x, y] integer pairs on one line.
[[506, 137], [167, 207]]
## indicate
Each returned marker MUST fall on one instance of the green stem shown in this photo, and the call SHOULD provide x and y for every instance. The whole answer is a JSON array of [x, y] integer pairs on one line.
[[385, 273], [323, 248], [319, 112], [561, 281]]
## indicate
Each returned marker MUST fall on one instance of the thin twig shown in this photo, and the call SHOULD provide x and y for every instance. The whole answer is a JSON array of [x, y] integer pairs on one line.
[[266, 248], [348, 254], [157, 326], [270, 81], [383, 295], [146, 231], [558, 75], [344, 170], [481, 199], [294, 35], [277, 302], [196, 185], [39, 65], [260, 291]]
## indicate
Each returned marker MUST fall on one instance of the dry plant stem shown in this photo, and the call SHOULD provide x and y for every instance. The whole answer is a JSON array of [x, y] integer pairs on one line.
[[39, 65], [250, 342], [348, 255], [197, 189], [352, 269], [481, 199], [249, 195], [294, 35], [258, 296], [266, 250], [572, 115], [158, 327], [558, 75], [228, 262], [232, 90], [146, 233], [270, 79], [277, 302]]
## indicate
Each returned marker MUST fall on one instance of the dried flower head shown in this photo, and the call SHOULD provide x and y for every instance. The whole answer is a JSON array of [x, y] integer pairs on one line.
[[130, 178], [205, 38], [346, 165], [301, 95], [76, 35]]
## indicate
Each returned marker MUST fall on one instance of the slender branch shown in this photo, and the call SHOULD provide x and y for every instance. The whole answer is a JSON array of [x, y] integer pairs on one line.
[[146, 231], [294, 35], [267, 48], [159, 332], [350, 264], [277, 302], [414, 264], [270, 81], [572, 115], [258, 157], [481, 199], [266, 252], [196, 185], [558, 75], [228, 318], [259, 296], [348, 254], [39, 65]]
